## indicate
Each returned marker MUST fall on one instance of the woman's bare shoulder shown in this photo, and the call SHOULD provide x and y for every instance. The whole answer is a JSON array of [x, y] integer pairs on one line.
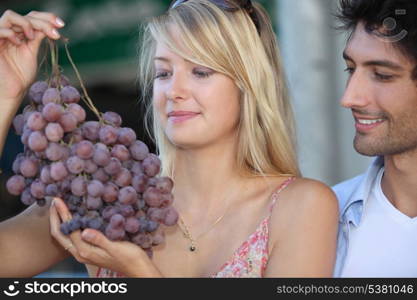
[[302, 201], [308, 192]]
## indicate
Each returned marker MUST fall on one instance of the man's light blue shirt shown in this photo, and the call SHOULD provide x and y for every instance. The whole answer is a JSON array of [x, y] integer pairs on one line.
[[352, 195]]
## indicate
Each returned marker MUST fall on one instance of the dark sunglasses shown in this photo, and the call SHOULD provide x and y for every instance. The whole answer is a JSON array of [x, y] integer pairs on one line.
[[231, 6]]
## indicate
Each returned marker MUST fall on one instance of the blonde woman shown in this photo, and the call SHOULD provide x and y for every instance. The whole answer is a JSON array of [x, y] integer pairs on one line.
[[211, 75]]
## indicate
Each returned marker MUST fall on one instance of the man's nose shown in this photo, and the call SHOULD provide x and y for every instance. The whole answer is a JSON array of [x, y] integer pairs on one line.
[[357, 92]]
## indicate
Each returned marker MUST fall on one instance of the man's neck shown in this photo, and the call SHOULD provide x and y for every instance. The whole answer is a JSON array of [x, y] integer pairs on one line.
[[399, 182]]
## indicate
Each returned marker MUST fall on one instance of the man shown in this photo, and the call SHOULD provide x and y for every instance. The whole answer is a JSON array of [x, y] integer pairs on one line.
[[378, 209]]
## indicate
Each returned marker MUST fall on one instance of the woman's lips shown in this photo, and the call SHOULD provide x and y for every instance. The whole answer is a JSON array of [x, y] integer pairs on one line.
[[181, 117]]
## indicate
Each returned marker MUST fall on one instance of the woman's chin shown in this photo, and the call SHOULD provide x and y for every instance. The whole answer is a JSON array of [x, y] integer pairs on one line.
[[184, 143]]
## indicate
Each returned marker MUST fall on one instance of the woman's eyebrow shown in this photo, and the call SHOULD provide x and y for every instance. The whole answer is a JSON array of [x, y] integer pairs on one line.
[[161, 58]]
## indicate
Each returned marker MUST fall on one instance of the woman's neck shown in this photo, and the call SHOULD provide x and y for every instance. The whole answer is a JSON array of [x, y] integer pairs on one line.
[[203, 178]]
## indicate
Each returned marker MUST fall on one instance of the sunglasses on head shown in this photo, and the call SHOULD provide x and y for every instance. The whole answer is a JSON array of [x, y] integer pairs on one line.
[[231, 6]]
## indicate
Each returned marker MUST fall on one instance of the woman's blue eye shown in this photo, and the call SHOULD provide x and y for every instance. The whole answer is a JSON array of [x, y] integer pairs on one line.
[[202, 74], [160, 75]]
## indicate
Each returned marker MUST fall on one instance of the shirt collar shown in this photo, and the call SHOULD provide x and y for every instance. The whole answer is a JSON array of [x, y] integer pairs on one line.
[[354, 207]]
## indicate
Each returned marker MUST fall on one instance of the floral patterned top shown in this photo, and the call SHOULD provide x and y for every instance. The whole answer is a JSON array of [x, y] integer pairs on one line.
[[249, 260]]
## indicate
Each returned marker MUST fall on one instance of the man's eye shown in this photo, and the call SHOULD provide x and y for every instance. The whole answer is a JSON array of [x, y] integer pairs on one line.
[[383, 77], [349, 70]]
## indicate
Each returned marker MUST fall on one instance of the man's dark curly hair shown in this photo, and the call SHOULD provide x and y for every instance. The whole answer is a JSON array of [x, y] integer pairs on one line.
[[386, 18]]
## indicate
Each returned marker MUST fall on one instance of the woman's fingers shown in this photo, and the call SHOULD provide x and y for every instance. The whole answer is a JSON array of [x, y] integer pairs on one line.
[[10, 35], [46, 16], [40, 21], [45, 27], [10, 19], [55, 223]]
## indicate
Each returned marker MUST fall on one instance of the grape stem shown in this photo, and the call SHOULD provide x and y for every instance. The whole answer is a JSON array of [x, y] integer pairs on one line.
[[86, 98]]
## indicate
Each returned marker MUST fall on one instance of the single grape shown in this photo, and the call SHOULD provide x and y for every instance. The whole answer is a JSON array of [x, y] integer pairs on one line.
[[101, 175], [112, 118], [37, 90], [115, 234], [156, 214], [37, 141], [75, 165], [117, 221], [78, 111], [54, 132], [70, 94], [166, 199], [90, 130], [171, 216], [37, 189], [113, 167], [95, 223], [120, 152], [94, 203], [127, 195], [26, 197], [36, 121], [108, 135], [55, 152], [85, 149], [90, 166], [95, 188], [136, 168], [101, 157], [164, 184], [25, 136], [152, 197], [123, 178], [65, 185], [139, 183], [65, 228], [126, 210], [126, 136], [52, 190], [139, 150], [68, 122], [74, 223], [58, 171], [29, 167], [51, 95], [52, 112], [151, 226], [151, 165], [131, 225], [110, 192], [109, 211], [16, 163], [15, 185], [18, 123], [143, 240], [45, 175], [79, 186]]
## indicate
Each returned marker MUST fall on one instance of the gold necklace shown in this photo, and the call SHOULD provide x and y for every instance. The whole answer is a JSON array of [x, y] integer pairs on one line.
[[187, 234]]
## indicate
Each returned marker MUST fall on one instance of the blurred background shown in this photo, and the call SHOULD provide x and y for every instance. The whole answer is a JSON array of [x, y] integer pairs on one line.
[[103, 41]]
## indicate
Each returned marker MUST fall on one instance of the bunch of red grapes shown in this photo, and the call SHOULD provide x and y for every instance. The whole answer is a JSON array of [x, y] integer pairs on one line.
[[108, 179]]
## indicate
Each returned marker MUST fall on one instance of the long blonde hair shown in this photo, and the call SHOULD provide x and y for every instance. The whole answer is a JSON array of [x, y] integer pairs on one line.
[[228, 42]]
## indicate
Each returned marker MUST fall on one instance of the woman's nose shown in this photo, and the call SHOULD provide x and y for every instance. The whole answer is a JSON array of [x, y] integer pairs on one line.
[[177, 88]]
